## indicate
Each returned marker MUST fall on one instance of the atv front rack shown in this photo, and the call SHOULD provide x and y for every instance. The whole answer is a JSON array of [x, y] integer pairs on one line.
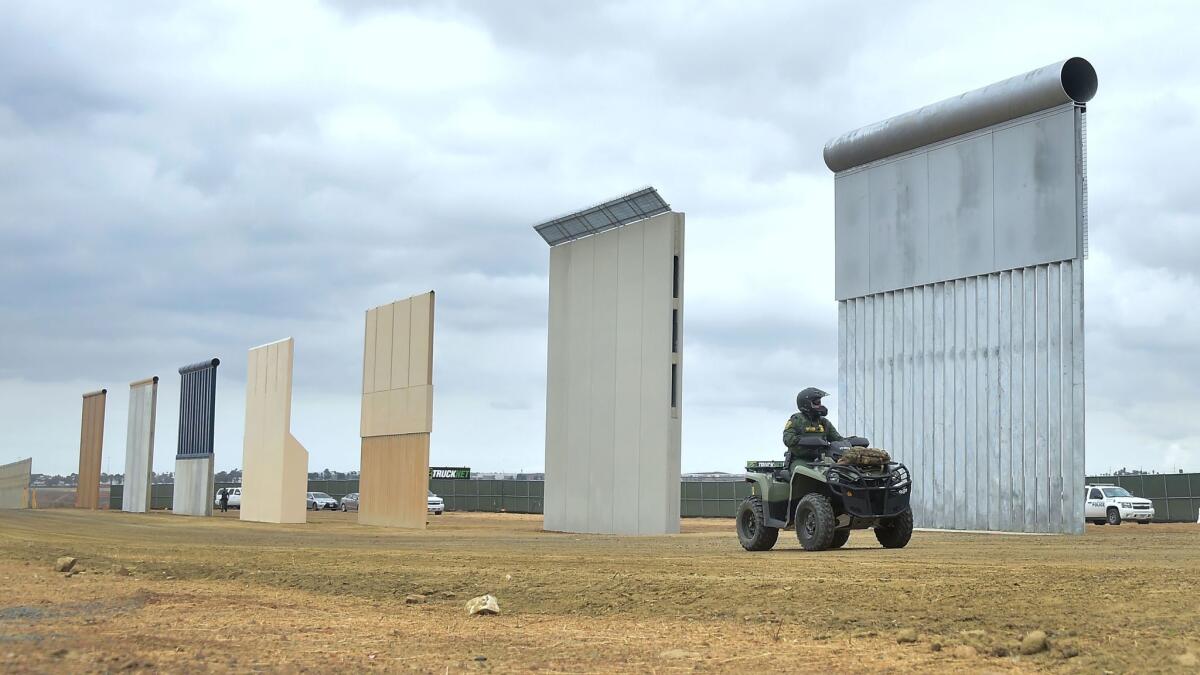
[[877, 492]]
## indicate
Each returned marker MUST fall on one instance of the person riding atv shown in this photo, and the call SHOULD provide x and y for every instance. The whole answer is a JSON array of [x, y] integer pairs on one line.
[[826, 486]]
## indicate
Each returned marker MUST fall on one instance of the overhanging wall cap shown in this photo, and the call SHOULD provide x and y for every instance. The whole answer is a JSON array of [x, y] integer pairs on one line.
[[635, 206], [1072, 80], [211, 363]]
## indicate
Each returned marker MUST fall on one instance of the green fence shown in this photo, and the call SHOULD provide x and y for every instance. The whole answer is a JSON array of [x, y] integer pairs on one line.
[[712, 499], [1176, 497]]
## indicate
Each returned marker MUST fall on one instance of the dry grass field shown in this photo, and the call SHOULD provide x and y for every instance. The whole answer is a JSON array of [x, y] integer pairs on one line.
[[165, 593]]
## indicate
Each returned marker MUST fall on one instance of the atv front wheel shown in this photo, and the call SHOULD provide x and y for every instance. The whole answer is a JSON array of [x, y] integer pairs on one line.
[[840, 537], [897, 531], [752, 529], [815, 524]]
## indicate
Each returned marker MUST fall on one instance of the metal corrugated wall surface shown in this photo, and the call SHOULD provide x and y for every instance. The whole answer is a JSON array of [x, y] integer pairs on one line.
[[197, 408], [977, 385]]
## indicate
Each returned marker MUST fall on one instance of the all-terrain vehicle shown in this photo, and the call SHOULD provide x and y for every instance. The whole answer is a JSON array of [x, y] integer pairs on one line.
[[825, 498]]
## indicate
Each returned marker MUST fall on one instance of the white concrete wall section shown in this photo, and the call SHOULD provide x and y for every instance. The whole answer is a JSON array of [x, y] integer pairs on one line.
[[978, 386], [14, 484], [274, 464], [139, 445], [193, 486], [614, 380]]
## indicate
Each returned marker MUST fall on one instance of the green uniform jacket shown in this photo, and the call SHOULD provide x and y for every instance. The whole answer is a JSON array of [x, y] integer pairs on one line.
[[800, 425]]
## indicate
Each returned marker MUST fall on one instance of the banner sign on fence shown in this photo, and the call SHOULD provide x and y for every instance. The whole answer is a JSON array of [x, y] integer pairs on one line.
[[461, 472]]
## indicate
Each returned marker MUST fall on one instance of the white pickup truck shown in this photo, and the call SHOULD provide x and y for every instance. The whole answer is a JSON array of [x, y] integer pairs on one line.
[[1112, 504]]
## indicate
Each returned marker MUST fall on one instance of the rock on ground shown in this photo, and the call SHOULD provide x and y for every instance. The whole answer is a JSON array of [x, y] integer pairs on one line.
[[906, 635], [965, 652], [64, 564], [484, 604]]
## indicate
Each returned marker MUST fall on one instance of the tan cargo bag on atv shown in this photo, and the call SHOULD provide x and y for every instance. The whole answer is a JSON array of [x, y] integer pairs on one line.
[[865, 457]]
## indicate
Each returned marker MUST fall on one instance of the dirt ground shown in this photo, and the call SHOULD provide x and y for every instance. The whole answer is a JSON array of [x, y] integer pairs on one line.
[[162, 592]]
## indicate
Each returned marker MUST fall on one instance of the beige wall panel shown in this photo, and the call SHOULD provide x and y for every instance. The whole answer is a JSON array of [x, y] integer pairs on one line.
[[420, 346], [369, 352], [394, 481], [384, 347], [14, 484], [139, 445], [612, 433], [398, 369], [401, 341], [91, 449], [274, 464]]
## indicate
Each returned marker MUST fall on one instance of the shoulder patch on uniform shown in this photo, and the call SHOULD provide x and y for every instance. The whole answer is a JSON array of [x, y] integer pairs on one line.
[[788, 424]]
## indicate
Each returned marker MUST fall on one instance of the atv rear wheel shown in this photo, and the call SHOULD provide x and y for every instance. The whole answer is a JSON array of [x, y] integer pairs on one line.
[[815, 524], [897, 531], [752, 529], [840, 537]]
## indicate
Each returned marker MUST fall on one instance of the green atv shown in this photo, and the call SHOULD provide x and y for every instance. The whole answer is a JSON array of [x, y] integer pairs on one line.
[[824, 499]]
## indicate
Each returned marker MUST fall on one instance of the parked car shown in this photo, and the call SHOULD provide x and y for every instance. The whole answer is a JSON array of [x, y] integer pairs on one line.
[[350, 502], [318, 501], [436, 504], [235, 497], [1112, 504]]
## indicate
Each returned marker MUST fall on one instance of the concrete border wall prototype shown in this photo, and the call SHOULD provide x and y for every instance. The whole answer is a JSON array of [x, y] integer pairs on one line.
[[139, 445], [193, 494], [274, 464], [614, 380], [14, 484], [960, 233], [91, 450], [397, 412]]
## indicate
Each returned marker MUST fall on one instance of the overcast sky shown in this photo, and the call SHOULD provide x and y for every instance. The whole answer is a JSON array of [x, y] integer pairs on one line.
[[186, 180]]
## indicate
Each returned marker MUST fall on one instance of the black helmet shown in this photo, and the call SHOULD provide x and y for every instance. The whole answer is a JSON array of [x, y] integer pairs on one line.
[[809, 402]]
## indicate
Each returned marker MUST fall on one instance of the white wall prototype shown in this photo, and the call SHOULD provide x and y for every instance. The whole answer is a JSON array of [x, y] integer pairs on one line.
[[274, 464], [139, 445], [614, 380], [193, 494]]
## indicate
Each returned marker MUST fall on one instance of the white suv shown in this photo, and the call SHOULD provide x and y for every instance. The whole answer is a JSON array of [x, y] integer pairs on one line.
[[1112, 504]]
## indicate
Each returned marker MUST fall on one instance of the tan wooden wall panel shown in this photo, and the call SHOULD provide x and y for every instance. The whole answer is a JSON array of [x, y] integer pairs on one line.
[[394, 481], [397, 412], [14, 484], [274, 463], [91, 450]]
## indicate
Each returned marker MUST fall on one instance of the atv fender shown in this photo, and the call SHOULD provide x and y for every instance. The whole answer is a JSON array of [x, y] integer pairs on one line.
[[805, 479], [761, 485]]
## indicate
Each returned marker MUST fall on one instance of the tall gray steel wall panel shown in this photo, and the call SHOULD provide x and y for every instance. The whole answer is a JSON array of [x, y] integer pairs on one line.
[[139, 445], [194, 456], [976, 384], [999, 198]]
